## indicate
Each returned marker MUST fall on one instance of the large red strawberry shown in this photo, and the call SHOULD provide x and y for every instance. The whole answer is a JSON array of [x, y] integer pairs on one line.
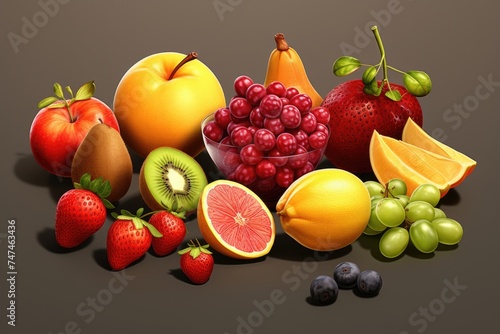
[[354, 115], [128, 239], [359, 107], [197, 262], [81, 212], [171, 225]]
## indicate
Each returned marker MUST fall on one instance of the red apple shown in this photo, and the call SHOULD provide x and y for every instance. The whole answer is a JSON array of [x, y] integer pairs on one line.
[[61, 124]]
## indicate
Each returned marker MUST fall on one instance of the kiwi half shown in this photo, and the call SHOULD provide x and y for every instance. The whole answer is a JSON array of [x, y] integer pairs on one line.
[[170, 177]]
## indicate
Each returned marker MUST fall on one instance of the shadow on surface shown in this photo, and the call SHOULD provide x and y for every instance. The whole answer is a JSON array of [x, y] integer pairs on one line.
[[286, 248], [47, 238]]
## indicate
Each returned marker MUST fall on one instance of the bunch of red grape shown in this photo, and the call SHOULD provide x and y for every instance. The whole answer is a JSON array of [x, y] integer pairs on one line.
[[268, 136]]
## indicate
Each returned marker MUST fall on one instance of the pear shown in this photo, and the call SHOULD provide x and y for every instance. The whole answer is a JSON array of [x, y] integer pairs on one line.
[[103, 153]]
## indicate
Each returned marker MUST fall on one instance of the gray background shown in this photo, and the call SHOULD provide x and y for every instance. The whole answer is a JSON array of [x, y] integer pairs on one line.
[[455, 42]]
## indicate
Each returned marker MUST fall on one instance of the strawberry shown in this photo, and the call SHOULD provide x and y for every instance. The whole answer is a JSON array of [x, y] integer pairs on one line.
[[81, 212], [128, 239], [354, 115], [197, 262], [171, 225], [358, 107]]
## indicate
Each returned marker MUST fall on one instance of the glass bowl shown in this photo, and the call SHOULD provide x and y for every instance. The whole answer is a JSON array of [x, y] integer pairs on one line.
[[268, 175]]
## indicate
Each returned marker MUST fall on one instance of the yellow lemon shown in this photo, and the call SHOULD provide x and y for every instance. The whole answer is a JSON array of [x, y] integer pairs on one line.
[[326, 209]]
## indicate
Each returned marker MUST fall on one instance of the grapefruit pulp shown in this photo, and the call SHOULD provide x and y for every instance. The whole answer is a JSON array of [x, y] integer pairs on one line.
[[234, 221]]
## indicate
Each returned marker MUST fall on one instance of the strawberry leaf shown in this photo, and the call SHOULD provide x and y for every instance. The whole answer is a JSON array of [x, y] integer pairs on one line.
[[393, 95], [345, 65], [369, 75], [418, 83], [104, 189], [152, 229], [139, 212], [107, 204], [95, 185], [85, 92], [137, 222], [85, 181], [127, 213]]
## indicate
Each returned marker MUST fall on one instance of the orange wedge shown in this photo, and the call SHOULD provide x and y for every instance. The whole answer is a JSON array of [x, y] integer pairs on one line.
[[415, 135], [391, 158]]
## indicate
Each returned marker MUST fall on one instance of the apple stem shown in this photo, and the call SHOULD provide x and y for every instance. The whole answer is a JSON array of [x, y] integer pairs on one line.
[[281, 43], [71, 119], [188, 58], [382, 52]]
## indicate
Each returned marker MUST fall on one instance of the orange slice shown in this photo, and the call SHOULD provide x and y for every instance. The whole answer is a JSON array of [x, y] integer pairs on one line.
[[391, 158], [234, 221], [415, 135]]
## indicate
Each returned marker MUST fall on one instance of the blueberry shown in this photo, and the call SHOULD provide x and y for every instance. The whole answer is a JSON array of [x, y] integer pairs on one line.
[[346, 275], [324, 290], [369, 283]]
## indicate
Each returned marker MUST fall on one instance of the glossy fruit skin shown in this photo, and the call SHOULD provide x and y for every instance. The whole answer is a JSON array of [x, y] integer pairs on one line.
[[369, 283], [198, 269], [173, 230], [126, 244], [324, 290], [79, 214], [353, 117], [285, 66], [346, 275], [148, 105], [54, 138]]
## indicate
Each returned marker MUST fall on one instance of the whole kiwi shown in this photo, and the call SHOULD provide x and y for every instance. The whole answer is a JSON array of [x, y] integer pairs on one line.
[[170, 178], [103, 153]]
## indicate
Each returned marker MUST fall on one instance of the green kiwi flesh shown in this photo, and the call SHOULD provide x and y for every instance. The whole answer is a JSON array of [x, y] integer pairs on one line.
[[170, 178]]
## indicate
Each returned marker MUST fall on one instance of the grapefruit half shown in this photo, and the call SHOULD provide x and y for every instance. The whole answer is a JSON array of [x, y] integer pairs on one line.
[[234, 221]]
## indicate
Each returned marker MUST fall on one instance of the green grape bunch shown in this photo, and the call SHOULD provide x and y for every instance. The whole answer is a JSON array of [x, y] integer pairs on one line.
[[401, 218]]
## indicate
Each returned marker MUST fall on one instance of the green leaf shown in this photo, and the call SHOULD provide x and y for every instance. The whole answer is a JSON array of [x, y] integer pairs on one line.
[[85, 92], [58, 91], [95, 185], [195, 252], [393, 95], [418, 83], [58, 104], [85, 181], [345, 65], [115, 215], [204, 249], [107, 204], [139, 212], [47, 102], [68, 89], [138, 222], [369, 75], [104, 190], [184, 251], [152, 229], [373, 88], [127, 213], [123, 217]]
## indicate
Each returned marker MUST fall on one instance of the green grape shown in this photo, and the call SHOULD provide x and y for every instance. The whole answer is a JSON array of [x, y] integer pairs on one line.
[[419, 210], [374, 200], [426, 192], [404, 200], [394, 242], [390, 212], [374, 223], [369, 231], [396, 187], [449, 231], [374, 188], [424, 236], [438, 213]]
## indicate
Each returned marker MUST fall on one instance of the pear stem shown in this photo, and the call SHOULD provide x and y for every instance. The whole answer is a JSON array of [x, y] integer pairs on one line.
[[188, 58], [281, 43]]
